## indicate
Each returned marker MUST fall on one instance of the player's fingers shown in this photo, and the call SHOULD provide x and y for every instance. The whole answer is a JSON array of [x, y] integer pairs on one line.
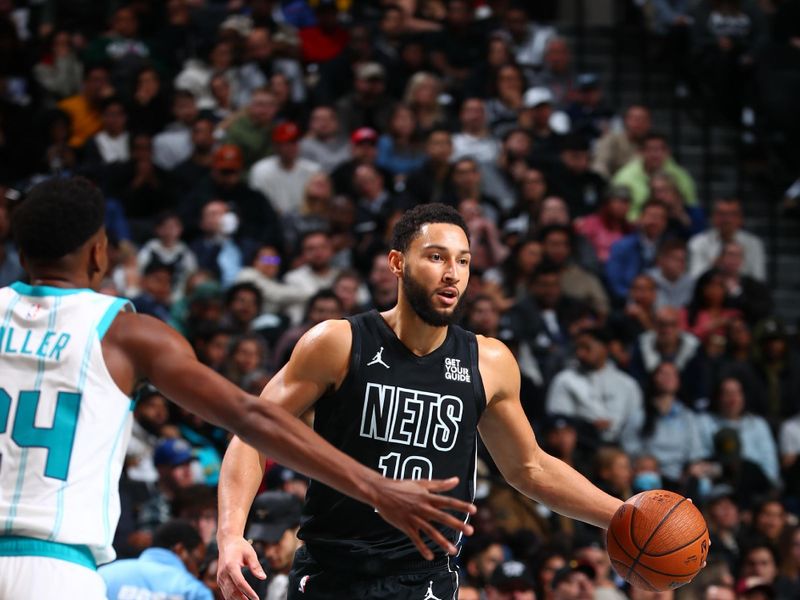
[[449, 521], [234, 586], [244, 588], [454, 504], [412, 532], [251, 561], [438, 538], [439, 485]]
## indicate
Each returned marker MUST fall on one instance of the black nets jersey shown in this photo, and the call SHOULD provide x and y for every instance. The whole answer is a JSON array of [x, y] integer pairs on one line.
[[406, 416]]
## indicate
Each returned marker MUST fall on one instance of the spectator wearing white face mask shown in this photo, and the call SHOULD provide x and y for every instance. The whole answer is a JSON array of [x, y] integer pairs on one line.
[[216, 251]]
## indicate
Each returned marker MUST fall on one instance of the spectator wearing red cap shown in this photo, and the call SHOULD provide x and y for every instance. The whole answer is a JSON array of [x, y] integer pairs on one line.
[[258, 222], [283, 177], [364, 151]]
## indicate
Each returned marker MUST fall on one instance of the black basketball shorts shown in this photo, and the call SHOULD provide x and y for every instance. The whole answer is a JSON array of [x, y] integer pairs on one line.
[[310, 581]]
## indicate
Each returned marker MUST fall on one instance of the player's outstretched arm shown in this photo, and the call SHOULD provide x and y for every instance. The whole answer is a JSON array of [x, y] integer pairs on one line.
[[239, 480], [510, 440], [148, 348]]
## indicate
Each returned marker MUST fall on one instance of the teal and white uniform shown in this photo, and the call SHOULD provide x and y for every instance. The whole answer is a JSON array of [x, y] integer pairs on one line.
[[64, 428]]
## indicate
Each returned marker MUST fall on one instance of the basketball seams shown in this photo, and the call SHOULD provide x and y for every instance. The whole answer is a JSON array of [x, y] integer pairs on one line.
[[621, 547], [644, 565], [689, 543], [629, 555], [665, 574], [652, 534]]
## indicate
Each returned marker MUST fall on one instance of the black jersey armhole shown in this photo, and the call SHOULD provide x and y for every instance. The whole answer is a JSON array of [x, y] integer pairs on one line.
[[355, 356], [477, 380], [355, 352]]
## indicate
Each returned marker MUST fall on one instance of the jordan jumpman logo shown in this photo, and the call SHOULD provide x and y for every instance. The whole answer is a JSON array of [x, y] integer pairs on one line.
[[429, 595], [377, 360]]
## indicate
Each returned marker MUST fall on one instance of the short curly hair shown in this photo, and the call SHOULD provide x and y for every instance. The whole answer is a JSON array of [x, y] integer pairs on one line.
[[57, 217], [409, 225]]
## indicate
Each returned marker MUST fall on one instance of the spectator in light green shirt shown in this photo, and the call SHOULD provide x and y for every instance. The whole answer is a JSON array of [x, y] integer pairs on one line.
[[656, 157], [252, 131]]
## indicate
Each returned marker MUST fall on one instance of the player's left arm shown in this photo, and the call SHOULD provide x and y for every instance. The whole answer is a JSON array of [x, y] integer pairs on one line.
[[511, 442]]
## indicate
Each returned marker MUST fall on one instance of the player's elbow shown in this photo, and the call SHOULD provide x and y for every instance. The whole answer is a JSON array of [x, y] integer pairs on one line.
[[524, 477], [530, 476]]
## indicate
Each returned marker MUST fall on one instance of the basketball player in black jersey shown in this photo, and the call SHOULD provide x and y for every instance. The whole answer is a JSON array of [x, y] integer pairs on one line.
[[405, 392]]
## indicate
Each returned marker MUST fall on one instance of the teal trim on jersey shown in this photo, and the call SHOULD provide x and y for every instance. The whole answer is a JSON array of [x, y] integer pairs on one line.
[[10, 311], [5, 409], [108, 317], [23, 459], [136, 397], [13, 545], [12, 511], [51, 325], [109, 533], [87, 354], [40, 291]]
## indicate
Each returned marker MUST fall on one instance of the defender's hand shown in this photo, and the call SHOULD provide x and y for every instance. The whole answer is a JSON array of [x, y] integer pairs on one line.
[[412, 507], [235, 553]]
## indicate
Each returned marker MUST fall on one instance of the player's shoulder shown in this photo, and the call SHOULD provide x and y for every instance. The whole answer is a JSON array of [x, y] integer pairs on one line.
[[498, 368], [332, 330], [132, 330], [492, 350], [334, 337]]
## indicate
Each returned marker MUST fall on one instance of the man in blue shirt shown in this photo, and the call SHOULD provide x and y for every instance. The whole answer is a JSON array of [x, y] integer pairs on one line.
[[166, 570], [636, 252]]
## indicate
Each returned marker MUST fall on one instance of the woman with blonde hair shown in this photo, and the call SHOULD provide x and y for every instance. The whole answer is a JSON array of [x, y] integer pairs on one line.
[[422, 97]]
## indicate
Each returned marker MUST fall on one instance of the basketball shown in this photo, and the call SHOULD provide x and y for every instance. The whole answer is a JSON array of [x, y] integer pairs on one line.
[[657, 540]]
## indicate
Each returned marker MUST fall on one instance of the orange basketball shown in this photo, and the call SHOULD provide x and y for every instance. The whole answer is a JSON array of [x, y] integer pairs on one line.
[[657, 540]]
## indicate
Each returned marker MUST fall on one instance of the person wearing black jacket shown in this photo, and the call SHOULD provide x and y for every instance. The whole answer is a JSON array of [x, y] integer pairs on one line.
[[257, 219]]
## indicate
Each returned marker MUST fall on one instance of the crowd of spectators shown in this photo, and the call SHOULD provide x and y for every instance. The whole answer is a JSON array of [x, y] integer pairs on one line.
[[255, 155]]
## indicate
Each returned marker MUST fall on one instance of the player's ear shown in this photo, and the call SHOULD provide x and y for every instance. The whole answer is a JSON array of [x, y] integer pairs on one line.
[[98, 253], [396, 262]]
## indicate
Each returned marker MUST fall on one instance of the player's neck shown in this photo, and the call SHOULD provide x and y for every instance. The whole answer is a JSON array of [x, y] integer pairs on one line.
[[416, 335], [59, 280]]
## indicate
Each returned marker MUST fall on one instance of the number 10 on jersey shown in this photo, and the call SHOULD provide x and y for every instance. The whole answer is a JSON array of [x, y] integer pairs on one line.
[[394, 466], [57, 440]]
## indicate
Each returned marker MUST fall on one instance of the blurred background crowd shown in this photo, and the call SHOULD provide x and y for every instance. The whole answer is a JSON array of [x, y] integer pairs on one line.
[[608, 158]]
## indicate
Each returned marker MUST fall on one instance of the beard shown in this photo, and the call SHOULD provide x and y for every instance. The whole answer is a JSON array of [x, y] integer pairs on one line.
[[421, 303]]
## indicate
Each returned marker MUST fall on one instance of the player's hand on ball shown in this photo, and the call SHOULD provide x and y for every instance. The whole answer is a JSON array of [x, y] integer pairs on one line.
[[235, 553], [412, 507]]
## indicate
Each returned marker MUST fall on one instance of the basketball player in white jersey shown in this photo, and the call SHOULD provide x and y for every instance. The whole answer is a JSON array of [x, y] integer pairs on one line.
[[69, 358]]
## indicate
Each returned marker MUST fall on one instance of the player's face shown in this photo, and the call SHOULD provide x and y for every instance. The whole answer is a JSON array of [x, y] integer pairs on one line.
[[436, 273]]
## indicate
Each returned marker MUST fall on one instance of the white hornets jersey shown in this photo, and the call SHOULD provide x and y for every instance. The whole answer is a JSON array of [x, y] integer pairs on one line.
[[64, 424]]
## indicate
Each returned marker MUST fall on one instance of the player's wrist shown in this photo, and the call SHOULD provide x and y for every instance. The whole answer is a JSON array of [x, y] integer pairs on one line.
[[227, 537], [370, 489]]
